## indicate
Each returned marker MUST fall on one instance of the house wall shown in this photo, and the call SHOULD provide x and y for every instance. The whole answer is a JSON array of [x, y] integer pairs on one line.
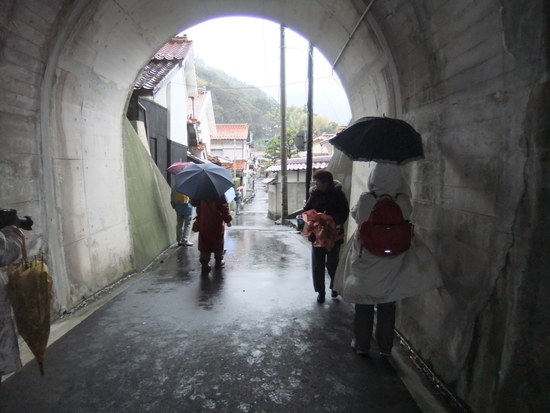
[[230, 149], [296, 194], [207, 121], [176, 103], [317, 148]]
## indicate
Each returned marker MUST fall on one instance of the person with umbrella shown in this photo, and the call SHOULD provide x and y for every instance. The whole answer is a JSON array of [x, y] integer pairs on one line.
[[364, 278], [367, 280], [206, 185], [212, 216], [326, 197]]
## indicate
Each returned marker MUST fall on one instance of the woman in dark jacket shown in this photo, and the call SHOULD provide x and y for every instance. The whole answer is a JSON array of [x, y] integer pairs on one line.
[[326, 197]]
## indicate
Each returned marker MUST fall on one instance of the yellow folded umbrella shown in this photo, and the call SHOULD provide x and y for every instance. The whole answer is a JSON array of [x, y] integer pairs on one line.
[[29, 290]]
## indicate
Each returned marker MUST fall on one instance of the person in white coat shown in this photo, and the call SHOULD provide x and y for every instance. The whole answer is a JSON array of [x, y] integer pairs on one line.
[[368, 280]]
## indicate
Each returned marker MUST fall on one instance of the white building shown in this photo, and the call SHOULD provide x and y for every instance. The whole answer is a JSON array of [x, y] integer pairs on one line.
[[200, 114], [296, 184]]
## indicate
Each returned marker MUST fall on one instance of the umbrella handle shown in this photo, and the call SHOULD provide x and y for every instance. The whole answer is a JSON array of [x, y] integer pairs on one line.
[[21, 236], [24, 249]]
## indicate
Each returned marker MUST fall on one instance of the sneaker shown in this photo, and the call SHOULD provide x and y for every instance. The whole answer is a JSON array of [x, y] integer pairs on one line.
[[334, 294], [187, 244], [321, 298], [358, 351], [220, 263]]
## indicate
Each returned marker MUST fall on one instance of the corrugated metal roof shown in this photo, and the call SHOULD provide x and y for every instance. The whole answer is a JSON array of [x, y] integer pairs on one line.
[[298, 164], [325, 137], [164, 61], [237, 131]]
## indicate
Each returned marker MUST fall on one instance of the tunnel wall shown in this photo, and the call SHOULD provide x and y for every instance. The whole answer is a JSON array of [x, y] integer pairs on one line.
[[470, 76], [466, 82]]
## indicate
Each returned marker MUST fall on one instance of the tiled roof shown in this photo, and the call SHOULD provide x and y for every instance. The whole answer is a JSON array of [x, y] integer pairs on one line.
[[218, 159], [238, 131], [164, 61], [239, 164], [154, 73], [298, 164], [176, 49], [194, 158]]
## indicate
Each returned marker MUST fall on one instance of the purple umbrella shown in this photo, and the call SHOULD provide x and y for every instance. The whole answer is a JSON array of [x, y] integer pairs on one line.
[[177, 167]]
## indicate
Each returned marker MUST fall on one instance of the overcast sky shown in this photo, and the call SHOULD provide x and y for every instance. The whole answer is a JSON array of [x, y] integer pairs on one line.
[[248, 49]]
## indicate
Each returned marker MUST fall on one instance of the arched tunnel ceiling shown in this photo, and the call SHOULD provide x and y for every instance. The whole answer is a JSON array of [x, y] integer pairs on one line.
[[114, 40], [98, 52]]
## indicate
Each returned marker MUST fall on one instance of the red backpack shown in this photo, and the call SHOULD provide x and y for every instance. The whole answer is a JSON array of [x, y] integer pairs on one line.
[[386, 232]]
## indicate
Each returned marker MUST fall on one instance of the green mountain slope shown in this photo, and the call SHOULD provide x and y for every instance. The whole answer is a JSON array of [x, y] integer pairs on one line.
[[237, 102]]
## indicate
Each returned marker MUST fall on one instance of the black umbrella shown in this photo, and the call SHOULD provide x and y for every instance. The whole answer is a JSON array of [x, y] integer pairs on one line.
[[203, 181], [383, 140]]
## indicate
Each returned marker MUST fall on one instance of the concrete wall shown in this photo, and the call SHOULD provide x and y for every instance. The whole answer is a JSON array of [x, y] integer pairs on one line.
[[152, 218], [472, 77], [466, 78], [296, 194]]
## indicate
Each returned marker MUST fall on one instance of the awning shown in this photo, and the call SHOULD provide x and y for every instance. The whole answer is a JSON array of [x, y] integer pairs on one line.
[[268, 180]]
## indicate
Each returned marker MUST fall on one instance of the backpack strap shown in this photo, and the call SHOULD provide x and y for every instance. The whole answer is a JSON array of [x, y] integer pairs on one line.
[[386, 196]]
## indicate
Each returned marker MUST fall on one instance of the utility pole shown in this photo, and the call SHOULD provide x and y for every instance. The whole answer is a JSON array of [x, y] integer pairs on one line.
[[234, 159], [284, 175], [309, 145]]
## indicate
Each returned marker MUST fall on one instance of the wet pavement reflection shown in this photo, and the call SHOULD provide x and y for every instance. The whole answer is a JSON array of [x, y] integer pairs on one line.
[[246, 338]]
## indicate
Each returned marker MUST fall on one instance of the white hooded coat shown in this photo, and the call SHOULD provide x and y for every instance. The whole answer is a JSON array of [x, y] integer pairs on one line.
[[364, 278]]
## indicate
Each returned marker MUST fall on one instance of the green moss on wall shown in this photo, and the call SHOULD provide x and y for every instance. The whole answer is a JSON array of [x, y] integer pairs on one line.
[[152, 219]]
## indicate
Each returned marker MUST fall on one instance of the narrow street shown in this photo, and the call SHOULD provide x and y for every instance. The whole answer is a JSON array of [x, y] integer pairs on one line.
[[247, 338]]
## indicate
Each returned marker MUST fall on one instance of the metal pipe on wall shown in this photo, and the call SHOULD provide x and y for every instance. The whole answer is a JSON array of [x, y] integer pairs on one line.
[[284, 175], [352, 33], [309, 146]]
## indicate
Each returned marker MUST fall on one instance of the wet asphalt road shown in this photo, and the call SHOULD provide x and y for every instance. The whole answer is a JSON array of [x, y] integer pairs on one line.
[[247, 338]]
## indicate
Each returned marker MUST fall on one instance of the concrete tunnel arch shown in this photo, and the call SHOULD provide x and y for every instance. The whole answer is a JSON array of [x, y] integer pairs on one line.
[[73, 90], [472, 78]]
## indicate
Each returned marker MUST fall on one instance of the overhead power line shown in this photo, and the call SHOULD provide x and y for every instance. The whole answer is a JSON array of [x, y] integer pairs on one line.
[[268, 86]]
